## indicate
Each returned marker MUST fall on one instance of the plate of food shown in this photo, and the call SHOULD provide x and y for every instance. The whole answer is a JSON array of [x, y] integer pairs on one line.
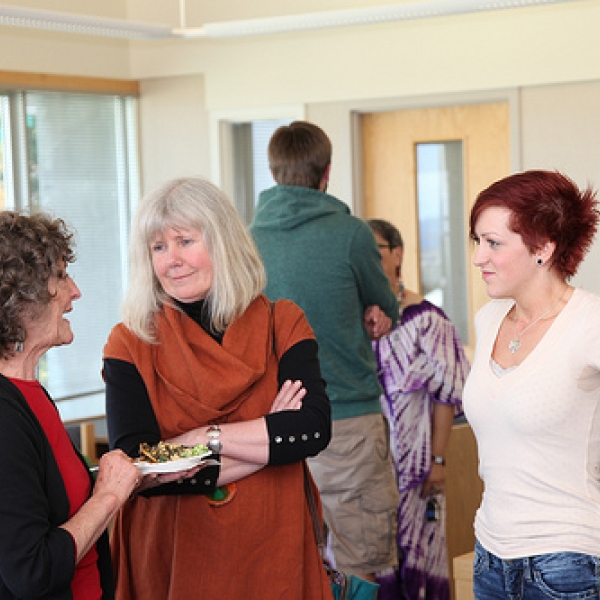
[[171, 458]]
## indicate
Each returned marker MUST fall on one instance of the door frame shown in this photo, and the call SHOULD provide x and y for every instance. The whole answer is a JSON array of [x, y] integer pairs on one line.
[[351, 113]]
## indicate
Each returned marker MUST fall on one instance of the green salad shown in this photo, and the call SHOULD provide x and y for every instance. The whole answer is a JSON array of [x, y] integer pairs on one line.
[[164, 452]]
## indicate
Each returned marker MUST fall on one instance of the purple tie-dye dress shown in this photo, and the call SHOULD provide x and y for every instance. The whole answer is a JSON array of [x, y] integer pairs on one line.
[[421, 361]]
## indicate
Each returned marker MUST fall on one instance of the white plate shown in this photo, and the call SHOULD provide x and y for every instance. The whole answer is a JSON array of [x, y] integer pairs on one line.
[[174, 466]]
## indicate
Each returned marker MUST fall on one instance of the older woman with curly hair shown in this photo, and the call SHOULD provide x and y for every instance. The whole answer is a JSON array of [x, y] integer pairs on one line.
[[53, 517], [533, 393]]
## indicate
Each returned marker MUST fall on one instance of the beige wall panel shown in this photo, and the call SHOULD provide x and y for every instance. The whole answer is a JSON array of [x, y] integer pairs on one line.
[[173, 130], [561, 130], [484, 50], [63, 54], [472, 52]]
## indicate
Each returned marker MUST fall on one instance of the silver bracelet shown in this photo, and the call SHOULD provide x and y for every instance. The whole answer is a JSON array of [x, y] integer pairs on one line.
[[214, 443]]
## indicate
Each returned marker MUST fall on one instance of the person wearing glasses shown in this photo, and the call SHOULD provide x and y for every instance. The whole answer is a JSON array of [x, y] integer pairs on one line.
[[422, 369]]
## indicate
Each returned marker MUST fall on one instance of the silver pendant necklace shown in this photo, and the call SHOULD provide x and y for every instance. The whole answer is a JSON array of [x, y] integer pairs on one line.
[[515, 343]]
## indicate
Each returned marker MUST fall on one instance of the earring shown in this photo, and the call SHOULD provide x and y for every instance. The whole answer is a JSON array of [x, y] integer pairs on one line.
[[19, 347], [540, 262]]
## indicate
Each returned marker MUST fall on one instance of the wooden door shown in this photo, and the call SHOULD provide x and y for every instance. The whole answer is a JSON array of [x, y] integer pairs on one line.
[[389, 140]]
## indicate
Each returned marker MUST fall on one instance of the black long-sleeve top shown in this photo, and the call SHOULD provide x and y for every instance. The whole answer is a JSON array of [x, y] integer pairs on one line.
[[293, 435], [37, 556]]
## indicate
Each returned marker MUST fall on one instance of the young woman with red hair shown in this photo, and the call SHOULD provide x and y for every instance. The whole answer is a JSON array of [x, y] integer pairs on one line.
[[533, 392]]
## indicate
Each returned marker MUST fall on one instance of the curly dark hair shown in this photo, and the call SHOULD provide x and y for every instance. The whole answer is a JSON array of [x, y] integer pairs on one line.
[[545, 206], [32, 250]]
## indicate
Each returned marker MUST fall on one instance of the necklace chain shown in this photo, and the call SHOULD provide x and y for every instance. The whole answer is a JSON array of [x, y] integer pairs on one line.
[[515, 343]]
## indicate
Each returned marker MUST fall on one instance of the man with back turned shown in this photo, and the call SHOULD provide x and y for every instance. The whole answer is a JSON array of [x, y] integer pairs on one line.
[[327, 261]]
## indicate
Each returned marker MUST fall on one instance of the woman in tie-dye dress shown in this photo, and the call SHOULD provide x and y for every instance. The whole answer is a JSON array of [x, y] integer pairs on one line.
[[422, 368]]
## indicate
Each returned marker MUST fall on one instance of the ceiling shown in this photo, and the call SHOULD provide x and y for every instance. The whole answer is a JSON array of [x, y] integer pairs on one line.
[[13, 16]]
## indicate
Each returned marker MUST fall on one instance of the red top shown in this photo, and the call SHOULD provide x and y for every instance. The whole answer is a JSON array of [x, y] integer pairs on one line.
[[86, 582]]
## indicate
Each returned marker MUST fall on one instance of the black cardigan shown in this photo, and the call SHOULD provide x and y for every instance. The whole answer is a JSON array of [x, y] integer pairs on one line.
[[37, 557]]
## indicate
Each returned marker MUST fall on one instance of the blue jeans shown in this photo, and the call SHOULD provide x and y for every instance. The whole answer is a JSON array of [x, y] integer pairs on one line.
[[560, 576]]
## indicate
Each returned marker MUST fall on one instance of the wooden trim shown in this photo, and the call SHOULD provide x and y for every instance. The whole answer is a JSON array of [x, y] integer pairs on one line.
[[45, 81], [88, 442], [463, 576], [83, 419]]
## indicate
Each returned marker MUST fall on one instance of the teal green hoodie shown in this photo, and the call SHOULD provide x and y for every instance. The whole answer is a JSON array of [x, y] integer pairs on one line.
[[327, 261]]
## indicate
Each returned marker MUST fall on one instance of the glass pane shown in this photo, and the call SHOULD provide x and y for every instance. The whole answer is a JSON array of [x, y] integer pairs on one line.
[[262, 132], [78, 150], [251, 163], [442, 227]]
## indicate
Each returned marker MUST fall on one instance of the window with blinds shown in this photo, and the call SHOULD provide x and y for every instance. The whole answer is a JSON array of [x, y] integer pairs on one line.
[[75, 156], [251, 162]]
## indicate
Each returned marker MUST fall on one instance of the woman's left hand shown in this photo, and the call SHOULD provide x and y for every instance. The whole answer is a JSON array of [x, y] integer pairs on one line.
[[376, 322], [289, 397], [155, 479], [435, 482]]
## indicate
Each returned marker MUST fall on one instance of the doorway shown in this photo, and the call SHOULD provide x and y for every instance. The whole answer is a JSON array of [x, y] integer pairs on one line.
[[416, 162], [474, 141]]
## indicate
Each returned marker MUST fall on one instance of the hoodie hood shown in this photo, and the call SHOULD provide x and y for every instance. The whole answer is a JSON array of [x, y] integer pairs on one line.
[[287, 207]]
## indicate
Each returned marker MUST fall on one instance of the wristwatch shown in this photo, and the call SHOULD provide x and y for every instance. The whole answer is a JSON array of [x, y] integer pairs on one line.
[[438, 460], [214, 443]]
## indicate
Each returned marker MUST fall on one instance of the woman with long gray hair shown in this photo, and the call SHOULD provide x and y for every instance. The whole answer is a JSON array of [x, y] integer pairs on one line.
[[203, 357]]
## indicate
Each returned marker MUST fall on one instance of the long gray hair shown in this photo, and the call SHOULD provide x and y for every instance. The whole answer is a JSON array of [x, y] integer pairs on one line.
[[238, 272]]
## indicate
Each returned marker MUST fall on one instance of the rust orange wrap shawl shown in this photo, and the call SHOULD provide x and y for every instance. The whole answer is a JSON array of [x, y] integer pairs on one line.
[[261, 544]]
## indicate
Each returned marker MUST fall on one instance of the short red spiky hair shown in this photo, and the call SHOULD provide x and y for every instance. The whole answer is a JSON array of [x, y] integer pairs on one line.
[[545, 206]]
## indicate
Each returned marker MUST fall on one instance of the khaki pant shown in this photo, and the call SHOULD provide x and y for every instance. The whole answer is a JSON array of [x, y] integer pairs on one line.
[[356, 481]]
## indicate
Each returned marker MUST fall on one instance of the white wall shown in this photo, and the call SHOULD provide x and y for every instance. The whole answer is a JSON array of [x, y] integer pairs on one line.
[[38, 51], [543, 60], [561, 130], [173, 129], [490, 50]]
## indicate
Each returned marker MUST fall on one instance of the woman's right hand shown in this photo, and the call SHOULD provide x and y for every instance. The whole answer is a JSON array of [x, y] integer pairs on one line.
[[117, 479], [117, 475], [289, 397]]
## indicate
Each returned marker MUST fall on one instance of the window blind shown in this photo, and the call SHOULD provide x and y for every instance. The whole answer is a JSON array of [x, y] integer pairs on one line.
[[81, 166]]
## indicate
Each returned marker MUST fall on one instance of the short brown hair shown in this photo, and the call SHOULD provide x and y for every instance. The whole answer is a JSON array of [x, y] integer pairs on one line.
[[299, 154]]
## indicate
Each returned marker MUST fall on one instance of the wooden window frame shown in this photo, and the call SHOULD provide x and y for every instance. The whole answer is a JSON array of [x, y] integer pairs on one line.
[[43, 81]]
